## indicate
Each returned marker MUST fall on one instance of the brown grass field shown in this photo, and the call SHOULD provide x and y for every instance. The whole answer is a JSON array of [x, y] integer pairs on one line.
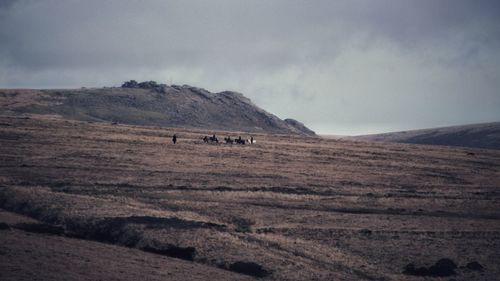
[[90, 201]]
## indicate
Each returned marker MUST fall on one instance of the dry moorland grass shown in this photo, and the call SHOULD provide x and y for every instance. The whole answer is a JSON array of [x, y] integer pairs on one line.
[[25, 255], [285, 208]]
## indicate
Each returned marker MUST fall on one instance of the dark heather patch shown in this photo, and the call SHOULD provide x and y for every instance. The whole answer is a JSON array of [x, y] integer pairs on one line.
[[4, 226], [185, 253], [443, 267], [474, 266], [40, 228], [249, 268]]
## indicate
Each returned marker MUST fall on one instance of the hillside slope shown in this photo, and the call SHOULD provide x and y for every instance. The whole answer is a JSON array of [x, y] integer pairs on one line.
[[485, 135], [161, 105], [286, 208]]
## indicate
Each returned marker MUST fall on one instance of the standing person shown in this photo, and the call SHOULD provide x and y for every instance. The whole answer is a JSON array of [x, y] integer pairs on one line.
[[251, 140], [174, 139]]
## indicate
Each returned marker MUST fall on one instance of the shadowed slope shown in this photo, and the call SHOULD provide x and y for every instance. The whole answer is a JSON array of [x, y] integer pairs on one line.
[[485, 135]]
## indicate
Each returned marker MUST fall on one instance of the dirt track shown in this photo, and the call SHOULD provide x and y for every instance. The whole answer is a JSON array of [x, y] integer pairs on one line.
[[291, 208]]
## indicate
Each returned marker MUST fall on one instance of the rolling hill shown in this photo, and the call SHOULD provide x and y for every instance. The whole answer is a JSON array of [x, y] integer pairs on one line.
[[486, 135], [152, 104]]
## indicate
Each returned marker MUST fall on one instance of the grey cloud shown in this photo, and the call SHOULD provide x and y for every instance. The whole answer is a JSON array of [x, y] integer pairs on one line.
[[188, 32], [6, 4]]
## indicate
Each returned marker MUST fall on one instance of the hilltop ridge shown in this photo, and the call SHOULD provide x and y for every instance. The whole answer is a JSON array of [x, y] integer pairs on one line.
[[149, 103], [484, 135]]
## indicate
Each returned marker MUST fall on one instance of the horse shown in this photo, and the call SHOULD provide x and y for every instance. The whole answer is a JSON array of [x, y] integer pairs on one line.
[[213, 138], [229, 140]]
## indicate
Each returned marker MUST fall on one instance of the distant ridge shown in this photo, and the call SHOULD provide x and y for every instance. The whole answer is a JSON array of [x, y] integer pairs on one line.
[[485, 135], [149, 103]]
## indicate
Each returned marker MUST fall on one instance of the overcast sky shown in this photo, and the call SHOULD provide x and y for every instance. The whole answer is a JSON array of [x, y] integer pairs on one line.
[[341, 67]]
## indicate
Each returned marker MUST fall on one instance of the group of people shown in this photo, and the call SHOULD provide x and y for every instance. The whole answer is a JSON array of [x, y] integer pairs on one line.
[[239, 140], [227, 140]]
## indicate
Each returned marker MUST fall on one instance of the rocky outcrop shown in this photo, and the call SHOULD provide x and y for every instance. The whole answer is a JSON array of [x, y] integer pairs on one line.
[[299, 127], [150, 103]]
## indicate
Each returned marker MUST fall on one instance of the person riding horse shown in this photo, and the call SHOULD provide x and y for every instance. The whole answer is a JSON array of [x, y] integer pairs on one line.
[[213, 139], [239, 140]]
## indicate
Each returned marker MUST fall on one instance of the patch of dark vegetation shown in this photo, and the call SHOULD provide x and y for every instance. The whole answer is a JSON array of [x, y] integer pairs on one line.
[[157, 222], [249, 268], [223, 188], [350, 183], [127, 231], [280, 189], [101, 231], [265, 230], [396, 210], [365, 231], [392, 211], [475, 266], [442, 268], [27, 209], [40, 228], [59, 184], [14, 136], [4, 226], [243, 225], [151, 223], [185, 253]]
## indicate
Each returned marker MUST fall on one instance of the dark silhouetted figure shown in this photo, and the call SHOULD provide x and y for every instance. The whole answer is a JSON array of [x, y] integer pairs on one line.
[[213, 139], [174, 139], [239, 140], [205, 139], [251, 140]]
